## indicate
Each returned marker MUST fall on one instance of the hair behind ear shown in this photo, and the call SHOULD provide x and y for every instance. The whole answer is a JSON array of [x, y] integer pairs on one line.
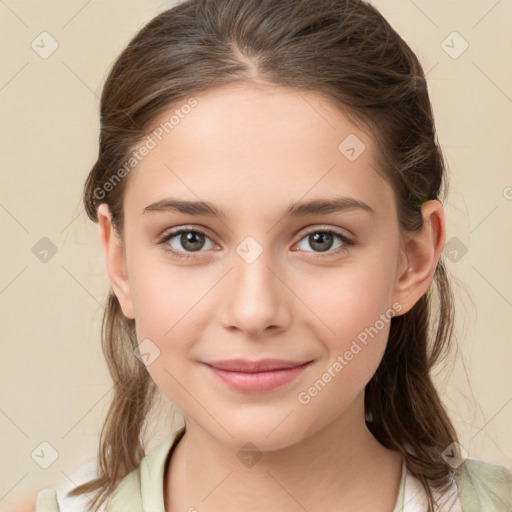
[[121, 449], [407, 412]]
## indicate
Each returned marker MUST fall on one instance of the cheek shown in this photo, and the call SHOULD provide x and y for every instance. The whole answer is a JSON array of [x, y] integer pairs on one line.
[[359, 319], [352, 319], [165, 295], [163, 311], [170, 311], [348, 300]]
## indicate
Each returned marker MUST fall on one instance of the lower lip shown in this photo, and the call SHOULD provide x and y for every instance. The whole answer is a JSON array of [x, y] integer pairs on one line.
[[260, 381]]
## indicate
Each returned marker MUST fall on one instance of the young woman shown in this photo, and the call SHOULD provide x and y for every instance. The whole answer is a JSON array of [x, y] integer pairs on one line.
[[269, 193]]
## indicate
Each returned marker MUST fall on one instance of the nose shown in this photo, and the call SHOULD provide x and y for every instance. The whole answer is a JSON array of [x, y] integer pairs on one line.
[[256, 301]]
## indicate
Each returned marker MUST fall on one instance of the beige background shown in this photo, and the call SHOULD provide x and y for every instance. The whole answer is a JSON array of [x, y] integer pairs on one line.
[[54, 384]]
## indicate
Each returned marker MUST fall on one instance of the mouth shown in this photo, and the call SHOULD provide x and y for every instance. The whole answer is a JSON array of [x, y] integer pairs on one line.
[[256, 376]]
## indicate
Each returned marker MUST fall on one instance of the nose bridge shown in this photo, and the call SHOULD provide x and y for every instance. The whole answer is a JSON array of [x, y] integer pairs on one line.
[[253, 278], [253, 275], [255, 299]]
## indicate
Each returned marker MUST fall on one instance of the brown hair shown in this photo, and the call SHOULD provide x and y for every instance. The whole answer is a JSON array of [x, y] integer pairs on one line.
[[347, 52]]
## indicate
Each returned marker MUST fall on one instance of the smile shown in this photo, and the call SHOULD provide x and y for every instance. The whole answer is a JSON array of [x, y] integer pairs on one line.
[[256, 377]]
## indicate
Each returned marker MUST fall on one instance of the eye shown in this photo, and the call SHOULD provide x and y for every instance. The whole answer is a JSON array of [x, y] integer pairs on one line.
[[193, 240], [322, 240], [190, 240]]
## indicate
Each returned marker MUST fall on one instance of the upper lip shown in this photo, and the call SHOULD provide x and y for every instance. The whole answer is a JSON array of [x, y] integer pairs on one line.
[[247, 366]]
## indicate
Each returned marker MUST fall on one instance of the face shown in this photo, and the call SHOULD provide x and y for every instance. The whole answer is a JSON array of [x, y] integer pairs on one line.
[[254, 281]]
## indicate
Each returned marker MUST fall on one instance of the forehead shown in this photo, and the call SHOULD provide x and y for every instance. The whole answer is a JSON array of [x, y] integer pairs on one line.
[[256, 145]]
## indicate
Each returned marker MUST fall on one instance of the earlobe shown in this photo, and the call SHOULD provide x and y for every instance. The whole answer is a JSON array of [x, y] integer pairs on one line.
[[422, 253], [115, 260]]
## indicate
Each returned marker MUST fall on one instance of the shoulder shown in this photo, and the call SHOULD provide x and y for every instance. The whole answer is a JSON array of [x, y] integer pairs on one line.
[[142, 489], [25, 504], [485, 486], [56, 499], [142, 485]]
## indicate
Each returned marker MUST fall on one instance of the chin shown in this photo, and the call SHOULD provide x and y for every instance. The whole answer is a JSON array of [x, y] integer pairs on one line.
[[263, 435]]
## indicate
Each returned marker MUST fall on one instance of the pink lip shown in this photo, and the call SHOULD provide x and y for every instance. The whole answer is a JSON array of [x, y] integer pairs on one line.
[[256, 376]]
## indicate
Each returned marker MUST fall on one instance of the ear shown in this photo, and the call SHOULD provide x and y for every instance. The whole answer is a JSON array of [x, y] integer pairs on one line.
[[115, 260], [420, 256]]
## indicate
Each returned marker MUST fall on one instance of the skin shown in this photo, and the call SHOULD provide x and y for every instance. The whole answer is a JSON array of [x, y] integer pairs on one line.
[[253, 151]]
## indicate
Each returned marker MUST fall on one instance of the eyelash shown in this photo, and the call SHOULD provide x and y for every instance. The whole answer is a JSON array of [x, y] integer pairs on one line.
[[347, 242]]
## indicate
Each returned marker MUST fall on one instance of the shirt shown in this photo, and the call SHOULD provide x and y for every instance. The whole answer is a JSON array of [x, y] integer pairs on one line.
[[478, 486]]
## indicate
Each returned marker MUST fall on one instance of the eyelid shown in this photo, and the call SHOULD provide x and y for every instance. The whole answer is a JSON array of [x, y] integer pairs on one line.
[[302, 232], [186, 227], [326, 227]]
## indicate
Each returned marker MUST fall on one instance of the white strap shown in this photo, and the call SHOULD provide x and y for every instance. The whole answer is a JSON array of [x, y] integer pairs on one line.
[[46, 501]]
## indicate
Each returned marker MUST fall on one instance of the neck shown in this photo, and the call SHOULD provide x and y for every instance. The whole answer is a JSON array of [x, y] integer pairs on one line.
[[342, 463]]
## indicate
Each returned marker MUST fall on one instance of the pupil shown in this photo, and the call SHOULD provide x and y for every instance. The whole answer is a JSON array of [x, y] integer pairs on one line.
[[318, 238], [189, 240]]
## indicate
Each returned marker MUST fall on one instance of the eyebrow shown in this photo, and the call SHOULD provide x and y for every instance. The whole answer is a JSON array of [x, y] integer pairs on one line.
[[315, 206]]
